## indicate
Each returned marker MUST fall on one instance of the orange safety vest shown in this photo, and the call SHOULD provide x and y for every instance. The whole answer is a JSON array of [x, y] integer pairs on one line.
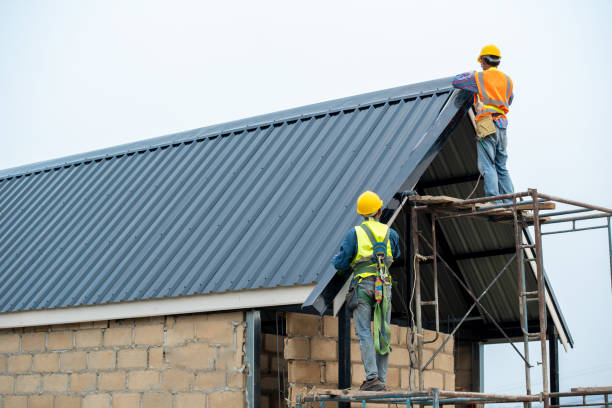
[[494, 90]]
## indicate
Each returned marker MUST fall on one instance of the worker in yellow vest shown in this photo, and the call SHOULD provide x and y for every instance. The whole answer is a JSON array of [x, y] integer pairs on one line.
[[493, 95], [356, 254]]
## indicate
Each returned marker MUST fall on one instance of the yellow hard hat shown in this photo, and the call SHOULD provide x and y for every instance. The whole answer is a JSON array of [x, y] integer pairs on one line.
[[368, 203], [489, 50]]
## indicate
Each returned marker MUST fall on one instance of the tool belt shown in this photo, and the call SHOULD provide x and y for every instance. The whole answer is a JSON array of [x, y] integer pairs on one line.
[[485, 126]]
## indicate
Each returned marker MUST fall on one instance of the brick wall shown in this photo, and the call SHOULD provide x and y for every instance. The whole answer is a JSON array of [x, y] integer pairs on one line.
[[184, 361], [312, 358]]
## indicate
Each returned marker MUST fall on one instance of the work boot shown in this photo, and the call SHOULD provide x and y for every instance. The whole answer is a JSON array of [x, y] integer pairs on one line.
[[372, 385]]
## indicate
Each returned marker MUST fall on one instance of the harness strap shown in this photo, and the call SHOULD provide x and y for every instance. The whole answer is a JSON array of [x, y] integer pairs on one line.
[[382, 330]]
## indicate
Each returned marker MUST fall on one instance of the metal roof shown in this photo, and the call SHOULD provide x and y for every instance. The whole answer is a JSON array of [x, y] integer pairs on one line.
[[260, 202]]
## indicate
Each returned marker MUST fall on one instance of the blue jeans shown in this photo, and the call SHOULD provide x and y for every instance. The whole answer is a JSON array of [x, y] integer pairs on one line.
[[375, 364], [496, 177]]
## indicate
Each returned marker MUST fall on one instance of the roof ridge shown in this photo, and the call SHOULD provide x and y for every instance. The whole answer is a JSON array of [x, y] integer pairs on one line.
[[232, 127]]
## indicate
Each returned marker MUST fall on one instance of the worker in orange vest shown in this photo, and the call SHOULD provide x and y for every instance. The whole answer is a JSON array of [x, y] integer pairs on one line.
[[493, 95]]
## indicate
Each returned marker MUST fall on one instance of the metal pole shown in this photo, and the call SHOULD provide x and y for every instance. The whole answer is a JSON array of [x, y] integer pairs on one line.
[[553, 349], [518, 240], [541, 295], [417, 300], [435, 265], [575, 203], [253, 355], [610, 249], [344, 352]]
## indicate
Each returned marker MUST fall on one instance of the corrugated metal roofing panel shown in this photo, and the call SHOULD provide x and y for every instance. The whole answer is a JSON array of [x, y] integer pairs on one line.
[[230, 207]]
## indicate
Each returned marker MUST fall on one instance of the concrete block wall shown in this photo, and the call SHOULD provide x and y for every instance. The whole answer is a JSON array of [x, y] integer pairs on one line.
[[312, 357], [172, 361]]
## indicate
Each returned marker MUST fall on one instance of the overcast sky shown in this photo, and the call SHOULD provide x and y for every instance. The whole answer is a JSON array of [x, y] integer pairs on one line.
[[76, 76]]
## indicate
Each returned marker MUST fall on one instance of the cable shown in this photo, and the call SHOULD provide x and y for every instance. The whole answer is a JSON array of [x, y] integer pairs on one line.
[[476, 186]]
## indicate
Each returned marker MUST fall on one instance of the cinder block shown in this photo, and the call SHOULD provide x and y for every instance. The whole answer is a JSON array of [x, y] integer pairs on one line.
[[132, 358], [330, 326], [82, 382], [194, 356], [278, 364], [405, 378], [118, 336], [176, 380], [55, 383], [226, 399], [404, 336], [183, 329], [297, 348], [33, 341], [126, 400], [3, 363], [210, 380], [101, 360], [216, 329], [41, 401], [449, 382], [101, 324], [46, 362], [399, 357], [156, 358], [28, 384], [236, 380], [61, 340], [67, 401], [299, 324], [264, 363], [273, 343], [450, 345], [331, 372], [395, 334], [7, 384], [143, 380], [269, 383], [73, 361], [190, 400], [433, 379], [111, 381], [229, 358], [324, 349], [20, 363], [158, 400], [357, 374], [88, 338], [16, 401], [429, 335], [355, 352], [393, 377], [149, 335], [304, 372], [444, 362], [96, 401]]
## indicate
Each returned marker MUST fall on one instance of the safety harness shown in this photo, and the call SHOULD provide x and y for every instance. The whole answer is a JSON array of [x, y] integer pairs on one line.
[[382, 288]]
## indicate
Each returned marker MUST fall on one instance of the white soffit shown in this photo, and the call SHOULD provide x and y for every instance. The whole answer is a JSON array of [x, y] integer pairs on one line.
[[158, 307]]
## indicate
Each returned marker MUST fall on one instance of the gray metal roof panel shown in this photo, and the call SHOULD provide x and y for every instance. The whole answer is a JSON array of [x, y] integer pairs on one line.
[[236, 206]]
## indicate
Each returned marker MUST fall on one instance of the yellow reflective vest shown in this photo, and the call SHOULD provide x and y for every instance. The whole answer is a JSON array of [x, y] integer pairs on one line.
[[362, 262]]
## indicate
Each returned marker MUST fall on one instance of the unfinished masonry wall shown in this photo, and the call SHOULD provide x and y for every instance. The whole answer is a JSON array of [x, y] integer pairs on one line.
[[312, 357], [184, 361]]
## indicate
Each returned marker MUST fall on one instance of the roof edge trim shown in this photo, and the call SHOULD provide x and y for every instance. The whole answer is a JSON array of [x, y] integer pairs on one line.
[[279, 296], [238, 126]]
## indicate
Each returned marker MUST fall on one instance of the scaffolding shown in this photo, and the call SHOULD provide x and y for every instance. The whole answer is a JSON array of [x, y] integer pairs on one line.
[[436, 398], [522, 210]]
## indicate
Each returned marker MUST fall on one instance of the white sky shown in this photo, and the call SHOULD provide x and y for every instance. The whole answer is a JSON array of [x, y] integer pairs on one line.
[[77, 76]]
